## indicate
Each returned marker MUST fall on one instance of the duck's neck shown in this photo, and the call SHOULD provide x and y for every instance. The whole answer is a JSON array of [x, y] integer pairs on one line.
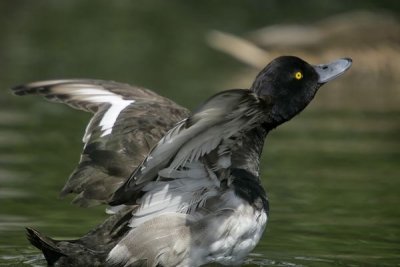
[[248, 153]]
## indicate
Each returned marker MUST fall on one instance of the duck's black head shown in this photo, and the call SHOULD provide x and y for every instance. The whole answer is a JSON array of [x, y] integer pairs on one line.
[[289, 83]]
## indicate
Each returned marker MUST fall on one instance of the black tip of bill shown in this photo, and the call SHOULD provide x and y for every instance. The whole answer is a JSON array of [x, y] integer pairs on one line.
[[330, 71]]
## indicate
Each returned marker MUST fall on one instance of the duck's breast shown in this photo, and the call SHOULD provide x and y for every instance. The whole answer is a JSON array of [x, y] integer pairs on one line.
[[229, 234]]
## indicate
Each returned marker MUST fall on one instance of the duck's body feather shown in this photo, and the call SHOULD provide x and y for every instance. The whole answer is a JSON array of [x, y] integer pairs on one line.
[[210, 134], [224, 230], [188, 180]]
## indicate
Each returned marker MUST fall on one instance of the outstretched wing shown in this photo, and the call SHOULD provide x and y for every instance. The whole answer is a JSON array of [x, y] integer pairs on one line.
[[209, 134], [127, 122]]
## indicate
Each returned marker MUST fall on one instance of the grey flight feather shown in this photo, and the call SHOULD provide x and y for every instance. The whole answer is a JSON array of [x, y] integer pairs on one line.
[[210, 127], [136, 117]]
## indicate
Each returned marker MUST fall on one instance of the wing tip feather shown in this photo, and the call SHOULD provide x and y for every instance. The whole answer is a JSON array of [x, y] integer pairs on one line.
[[30, 88], [21, 89]]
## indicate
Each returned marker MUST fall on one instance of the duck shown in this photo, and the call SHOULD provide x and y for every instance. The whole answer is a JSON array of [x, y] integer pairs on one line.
[[181, 188]]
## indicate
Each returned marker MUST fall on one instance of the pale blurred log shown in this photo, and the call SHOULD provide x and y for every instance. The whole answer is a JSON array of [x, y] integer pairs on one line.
[[372, 40]]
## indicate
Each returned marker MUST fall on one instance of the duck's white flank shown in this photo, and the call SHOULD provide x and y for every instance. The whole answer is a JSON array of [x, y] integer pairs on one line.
[[238, 234], [226, 237]]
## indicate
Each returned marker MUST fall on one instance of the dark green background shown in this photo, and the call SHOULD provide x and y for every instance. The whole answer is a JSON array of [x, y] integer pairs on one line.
[[332, 174]]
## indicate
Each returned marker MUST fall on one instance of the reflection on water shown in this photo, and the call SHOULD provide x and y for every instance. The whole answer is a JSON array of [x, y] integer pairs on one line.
[[11, 178]]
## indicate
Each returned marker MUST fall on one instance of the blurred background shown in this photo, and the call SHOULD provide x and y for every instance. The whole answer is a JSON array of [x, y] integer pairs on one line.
[[332, 173]]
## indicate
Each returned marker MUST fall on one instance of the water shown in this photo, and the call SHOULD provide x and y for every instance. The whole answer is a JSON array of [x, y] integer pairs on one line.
[[332, 180]]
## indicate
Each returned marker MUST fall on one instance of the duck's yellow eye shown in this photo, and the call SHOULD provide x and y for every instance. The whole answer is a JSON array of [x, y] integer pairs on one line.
[[298, 75]]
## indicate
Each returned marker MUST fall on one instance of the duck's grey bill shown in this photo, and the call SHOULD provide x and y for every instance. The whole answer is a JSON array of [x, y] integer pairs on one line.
[[328, 72]]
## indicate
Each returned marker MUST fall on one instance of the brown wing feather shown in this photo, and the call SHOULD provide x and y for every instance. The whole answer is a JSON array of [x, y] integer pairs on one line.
[[127, 122]]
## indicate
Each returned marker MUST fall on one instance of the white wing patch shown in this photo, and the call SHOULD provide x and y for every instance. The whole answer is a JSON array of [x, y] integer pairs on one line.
[[109, 118], [92, 94]]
